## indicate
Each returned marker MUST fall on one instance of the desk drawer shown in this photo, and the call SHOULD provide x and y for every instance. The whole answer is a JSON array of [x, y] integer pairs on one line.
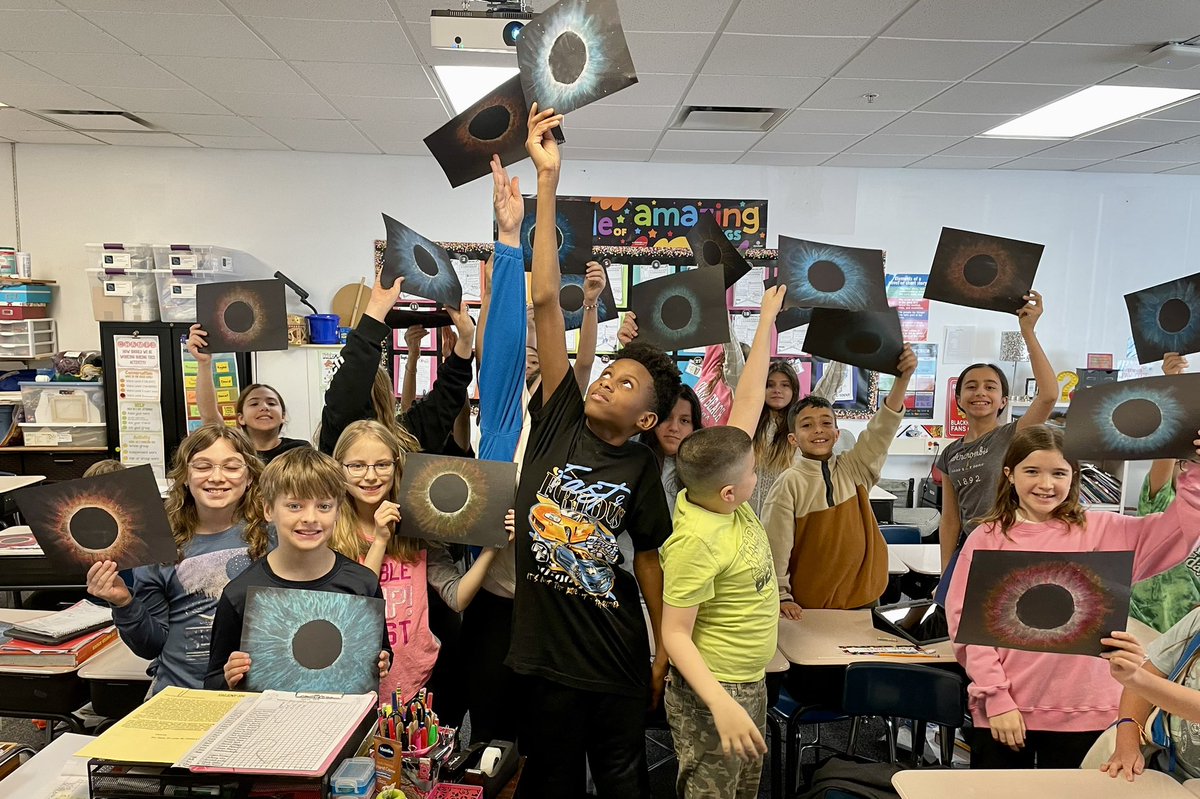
[[51, 693], [60, 465], [115, 699]]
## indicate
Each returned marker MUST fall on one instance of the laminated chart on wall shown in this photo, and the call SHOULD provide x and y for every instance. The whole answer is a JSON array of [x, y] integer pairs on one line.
[[906, 293], [226, 382], [139, 401]]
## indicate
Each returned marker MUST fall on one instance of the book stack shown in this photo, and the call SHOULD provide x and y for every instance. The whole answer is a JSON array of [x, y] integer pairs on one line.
[[1098, 488], [72, 653]]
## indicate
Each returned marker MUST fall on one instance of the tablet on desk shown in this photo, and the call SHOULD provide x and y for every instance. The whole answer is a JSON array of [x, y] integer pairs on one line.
[[921, 621]]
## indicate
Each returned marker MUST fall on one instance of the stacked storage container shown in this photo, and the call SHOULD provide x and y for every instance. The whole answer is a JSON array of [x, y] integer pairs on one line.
[[123, 288], [179, 268]]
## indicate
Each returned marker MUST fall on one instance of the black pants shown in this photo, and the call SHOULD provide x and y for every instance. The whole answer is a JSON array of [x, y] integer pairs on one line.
[[491, 686], [446, 681], [562, 729], [1042, 749]]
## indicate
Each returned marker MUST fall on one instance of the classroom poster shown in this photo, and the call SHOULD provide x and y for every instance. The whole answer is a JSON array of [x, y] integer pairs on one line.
[[225, 382], [922, 388], [664, 221], [906, 294], [139, 402], [956, 420]]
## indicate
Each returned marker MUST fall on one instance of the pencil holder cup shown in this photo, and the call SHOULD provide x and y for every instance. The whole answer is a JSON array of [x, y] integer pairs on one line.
[[322, 328]]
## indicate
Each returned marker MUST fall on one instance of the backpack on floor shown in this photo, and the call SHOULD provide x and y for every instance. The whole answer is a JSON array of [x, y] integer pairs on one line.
[[840, 777]]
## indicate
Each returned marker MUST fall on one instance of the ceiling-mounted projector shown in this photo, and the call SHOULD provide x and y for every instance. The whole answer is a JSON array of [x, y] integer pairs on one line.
[[494, 30], [1172, 55]]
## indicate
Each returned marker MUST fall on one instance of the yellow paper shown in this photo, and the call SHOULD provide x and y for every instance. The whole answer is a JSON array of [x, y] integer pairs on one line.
[[164, 729]]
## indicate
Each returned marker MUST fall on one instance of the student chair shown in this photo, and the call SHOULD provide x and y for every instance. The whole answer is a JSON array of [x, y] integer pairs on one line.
[[785, 718], [900, 534], [894, 691]]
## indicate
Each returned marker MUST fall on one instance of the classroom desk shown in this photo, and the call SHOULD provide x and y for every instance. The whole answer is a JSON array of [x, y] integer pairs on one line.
[[920, 558], [40, 693], [1003, 784], [814, 640], [15, 481], [882, 504], [896, 564], [117, 681], [36, 778]]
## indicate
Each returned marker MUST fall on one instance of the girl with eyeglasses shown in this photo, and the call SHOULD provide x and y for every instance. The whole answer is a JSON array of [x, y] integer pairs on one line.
[[217, 520], [372, 459]]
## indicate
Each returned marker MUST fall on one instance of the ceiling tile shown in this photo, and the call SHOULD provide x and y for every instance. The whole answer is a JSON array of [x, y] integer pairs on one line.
[[861, 122], [923, 59], [761, 92], [957, 162], [955, 19], [1130, 22], [862, 160], [52, 97], [1077, 64], [1095, 148], [644, 15], [893, 95], [1048, 164], [1193, 169], [105, 69], [1161, 78], [142, 139], [321, 135], [51, 137], [12, 120], [791, 56], [336, 40], [426, 112], [682, 55], [709, 139], [757, 158], [290, 106], [1138, 167], [651, 89], [815, 17], [1184, 152], [1152, 130], [141, 6], [182, 34], [608, 154], [241, 74], [14, 71], [53, 32], [1187, 111], [259, 142], [888, 144], [172, 101], [31, 4], [776, 141], [202, 124], [367, 80], [597, 138], [314, 9], [996, 98], [933, 124], [635, 117], [1011, 148], [696, 156], [395, 138]]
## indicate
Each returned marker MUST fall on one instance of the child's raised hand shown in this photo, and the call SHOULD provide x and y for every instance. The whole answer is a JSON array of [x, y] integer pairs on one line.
[[382, 298], [198, 338], [772, 302], [1031, 311], [510, 524], [387, 516], [907, 363], [385, 663], [739, 734], [629, 330], [507, 203], [103, 582], [1126, 657], [463, 323], [594, 282], [790, 610], [1174, 364], [236, 668], [542, 147], [1009, 729], [413, 337]]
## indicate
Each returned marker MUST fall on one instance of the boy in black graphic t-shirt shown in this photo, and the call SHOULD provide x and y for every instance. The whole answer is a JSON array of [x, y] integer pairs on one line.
[[579, 636]]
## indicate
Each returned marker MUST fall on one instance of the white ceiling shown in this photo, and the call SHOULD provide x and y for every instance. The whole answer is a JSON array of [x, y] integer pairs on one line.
[[354, 76]]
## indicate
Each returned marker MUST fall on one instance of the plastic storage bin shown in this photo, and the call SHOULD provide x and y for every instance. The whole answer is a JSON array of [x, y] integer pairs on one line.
[[179, 268], [123, 287], [355, 777], [92, 434], [63, 403], [33, 338]]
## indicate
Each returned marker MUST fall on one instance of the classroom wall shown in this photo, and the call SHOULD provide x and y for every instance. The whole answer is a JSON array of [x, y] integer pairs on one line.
[[315, 216], [8, 216]]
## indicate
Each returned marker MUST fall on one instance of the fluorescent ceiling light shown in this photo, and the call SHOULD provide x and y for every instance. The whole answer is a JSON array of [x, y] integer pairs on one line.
[[1089, 110], [465, 85]]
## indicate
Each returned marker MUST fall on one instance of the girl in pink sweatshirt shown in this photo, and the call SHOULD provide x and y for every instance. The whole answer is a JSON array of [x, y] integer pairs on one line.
[[1036, 708]]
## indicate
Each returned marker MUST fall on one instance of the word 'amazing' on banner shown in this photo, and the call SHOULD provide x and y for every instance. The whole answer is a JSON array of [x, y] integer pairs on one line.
[[664, 221]]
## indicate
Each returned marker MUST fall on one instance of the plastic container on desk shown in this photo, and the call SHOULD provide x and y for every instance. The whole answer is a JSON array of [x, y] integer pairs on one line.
[[63, 403], [355, 777], [179, 268], [123, 287], [92, 434], [31, 338]]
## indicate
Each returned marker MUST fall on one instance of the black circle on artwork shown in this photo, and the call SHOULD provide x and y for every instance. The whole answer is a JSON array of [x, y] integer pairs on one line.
[[864, 342], [425, 260], [676, 312], [568, 57], [711, 252], [449, 492], [1174, 315], [570, 297], [1046, 607], [239, 316], [1137, 418], [490, 123], [317, 644], [93, 528], [558, 235], [826, 276], [981, 270]]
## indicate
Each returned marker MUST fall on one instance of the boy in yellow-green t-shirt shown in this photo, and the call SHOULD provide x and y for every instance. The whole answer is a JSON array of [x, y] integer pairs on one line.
[[720, 618]]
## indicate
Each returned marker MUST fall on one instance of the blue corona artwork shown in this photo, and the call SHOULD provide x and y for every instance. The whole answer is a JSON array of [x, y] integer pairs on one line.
[[1153, 417], [424, 265], [829, 276], [1165, 318]]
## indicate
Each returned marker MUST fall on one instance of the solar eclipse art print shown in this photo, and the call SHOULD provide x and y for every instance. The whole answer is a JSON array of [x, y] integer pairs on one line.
[[574, 220], [117, 516], [681, 311], [458, 500], [711, 247], [1165, 318], [1062, 602], [981, 271], [574, 53], [866, 339], [831, 276], [425, 266], [243, 316], [1144, 419], [570, 299], [312, 640]]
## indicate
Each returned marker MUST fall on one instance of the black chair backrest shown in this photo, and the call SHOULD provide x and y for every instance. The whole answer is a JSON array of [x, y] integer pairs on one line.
[[905, 691]]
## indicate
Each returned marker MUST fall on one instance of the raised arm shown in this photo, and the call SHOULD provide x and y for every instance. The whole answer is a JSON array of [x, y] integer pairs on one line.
[[1047, 382], [593, 287], [752, 389], [1162, 471], [412, 343], [546, 279], [206, 392]]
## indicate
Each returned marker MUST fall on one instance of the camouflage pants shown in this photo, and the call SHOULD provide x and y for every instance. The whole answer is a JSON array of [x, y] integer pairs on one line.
[[704, 770]]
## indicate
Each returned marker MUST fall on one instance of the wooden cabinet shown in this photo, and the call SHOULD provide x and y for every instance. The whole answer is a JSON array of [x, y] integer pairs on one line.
[[56, 464]]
